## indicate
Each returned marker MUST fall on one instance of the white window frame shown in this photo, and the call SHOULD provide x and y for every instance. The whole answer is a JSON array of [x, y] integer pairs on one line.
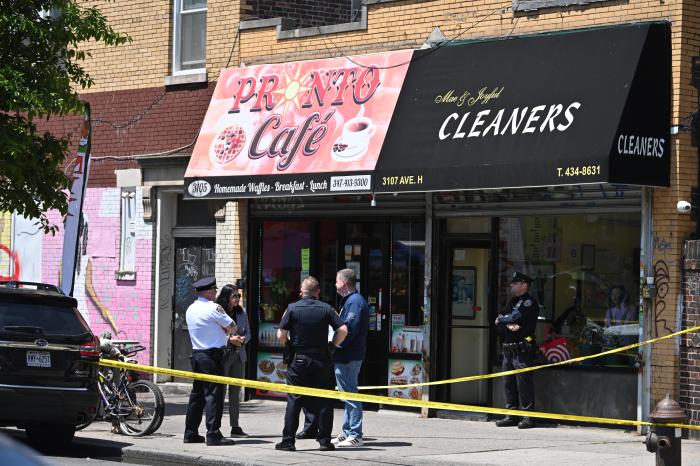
[[127, 255], [177, 29]]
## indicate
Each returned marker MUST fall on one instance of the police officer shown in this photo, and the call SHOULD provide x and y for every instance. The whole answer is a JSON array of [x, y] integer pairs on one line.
[[305, 324], [516, 326], [209, 329]]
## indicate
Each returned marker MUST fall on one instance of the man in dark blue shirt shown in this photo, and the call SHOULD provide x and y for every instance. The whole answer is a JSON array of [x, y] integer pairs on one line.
[[516, 325], [349, 355], [305, 325]]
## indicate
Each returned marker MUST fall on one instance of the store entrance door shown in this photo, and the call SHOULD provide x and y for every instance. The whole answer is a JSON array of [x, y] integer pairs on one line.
[[367, 258], [466, 299], [194, 259]]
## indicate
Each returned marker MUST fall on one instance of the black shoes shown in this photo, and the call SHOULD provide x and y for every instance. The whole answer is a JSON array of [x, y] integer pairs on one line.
[[197, 439], [238, 432], [526, 423], [326, 447], [303, 435], [220, 442], [508, 421], [285, 446]]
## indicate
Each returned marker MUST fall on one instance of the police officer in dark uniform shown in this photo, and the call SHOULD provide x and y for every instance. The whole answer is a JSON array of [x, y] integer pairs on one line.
[[209, 328], [305, 325], [516, 326]]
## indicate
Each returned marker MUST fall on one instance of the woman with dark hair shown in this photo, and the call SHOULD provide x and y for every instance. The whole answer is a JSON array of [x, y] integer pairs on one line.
[[234, 361]]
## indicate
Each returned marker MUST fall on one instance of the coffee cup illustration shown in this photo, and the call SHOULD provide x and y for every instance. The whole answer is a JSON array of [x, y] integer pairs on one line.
[[354, 139], [358, 131]]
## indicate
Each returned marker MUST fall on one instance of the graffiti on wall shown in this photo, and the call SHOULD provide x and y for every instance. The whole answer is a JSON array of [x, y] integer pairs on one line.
[[662, 281], [122, 307]]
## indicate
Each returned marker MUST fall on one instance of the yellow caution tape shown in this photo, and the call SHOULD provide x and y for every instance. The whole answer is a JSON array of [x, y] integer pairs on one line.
[[530, 369], [318, 392]]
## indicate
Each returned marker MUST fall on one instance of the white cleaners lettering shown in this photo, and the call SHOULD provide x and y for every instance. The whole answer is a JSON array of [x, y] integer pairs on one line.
[[523, 121], [640, 145]]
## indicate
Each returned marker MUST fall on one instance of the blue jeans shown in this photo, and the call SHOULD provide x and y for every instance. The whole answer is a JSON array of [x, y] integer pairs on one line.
[[346, 378]]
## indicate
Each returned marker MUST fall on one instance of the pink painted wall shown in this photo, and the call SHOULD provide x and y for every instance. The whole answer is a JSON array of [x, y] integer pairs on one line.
[[123, 307]]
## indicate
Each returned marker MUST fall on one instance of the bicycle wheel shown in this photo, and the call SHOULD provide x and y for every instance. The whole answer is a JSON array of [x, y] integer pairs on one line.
[[141, 410]]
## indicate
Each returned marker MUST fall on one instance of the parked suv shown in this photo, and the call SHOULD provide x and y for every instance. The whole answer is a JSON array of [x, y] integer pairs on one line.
[[48, 379]]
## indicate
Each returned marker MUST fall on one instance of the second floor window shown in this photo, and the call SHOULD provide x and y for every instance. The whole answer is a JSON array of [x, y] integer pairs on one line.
[[190, 35]]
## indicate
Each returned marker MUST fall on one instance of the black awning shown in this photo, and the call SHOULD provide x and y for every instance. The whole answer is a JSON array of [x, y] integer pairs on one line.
[[588, 106]]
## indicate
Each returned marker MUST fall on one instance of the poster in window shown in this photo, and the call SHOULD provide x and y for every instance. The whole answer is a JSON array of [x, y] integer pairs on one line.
[[542, 288], [463, 292]]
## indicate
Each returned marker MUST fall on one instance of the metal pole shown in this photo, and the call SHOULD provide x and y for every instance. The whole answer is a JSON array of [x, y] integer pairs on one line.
[[427, 295]]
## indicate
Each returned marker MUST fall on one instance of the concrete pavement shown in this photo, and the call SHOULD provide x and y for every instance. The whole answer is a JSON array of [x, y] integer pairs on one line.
[[391, 437]]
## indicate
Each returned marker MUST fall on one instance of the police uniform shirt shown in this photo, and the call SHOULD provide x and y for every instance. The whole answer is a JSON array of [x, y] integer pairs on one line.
[[206, 324], [522, 310], [307, 321]]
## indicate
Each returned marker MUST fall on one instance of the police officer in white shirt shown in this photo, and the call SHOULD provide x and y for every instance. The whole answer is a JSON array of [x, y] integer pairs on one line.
[[209, 328]]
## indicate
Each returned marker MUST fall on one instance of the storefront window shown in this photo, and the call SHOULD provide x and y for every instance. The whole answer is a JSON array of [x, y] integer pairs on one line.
[[407, 271], [286, 248], [585, 270]]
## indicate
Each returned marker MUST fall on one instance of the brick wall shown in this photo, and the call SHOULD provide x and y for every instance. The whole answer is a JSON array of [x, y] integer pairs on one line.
[[231, 242], [136, 122], [122, 307], [689, 398], [303, 13]]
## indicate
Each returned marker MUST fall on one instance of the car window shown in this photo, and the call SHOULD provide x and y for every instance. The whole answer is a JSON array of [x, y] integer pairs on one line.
[[40, 320]]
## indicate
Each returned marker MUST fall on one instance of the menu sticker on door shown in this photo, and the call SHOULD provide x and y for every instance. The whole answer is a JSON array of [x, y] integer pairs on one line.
[[271, 368], [406, 339], [304, 263], [402, 372]]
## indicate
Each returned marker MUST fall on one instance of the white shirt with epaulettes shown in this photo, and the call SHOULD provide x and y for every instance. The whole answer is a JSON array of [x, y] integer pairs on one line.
[[206, 322]]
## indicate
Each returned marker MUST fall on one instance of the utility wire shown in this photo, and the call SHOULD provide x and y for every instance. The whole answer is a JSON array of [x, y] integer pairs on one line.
[[430, 51]]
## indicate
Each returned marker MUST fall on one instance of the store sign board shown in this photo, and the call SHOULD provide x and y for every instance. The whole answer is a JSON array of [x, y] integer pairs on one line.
[[581, 107], [299, 128], [589, 106]]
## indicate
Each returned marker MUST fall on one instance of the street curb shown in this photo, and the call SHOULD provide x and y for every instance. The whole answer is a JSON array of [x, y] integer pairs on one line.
[[140, 455]]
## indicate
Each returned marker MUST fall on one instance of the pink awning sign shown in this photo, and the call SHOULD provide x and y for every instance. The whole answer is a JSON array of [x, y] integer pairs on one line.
[[281, 124]]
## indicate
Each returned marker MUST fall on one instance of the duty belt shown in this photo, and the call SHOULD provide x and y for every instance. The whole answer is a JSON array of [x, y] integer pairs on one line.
[[519, 347]]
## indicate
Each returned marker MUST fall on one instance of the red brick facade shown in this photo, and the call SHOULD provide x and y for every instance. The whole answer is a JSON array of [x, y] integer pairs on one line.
[[137, 122], [690, 342]]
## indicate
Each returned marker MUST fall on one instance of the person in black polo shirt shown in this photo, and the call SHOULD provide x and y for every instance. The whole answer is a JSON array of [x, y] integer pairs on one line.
[[305, 325], [516, 325]]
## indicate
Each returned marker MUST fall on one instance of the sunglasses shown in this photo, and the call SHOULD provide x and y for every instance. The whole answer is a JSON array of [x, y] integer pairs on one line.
[[235, 295]]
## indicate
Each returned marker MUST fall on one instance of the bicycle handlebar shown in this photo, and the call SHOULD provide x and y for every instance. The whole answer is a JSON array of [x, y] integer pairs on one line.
[[132, 350]]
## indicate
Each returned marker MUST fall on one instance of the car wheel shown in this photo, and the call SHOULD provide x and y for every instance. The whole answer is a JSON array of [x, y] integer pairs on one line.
[[50, 436]]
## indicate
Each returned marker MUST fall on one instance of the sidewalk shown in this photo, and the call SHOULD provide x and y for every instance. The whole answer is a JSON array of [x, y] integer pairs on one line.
[[391, 437]]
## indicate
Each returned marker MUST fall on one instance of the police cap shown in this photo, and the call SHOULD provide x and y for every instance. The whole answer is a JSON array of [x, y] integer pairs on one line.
[[519, 277], [205, 283]]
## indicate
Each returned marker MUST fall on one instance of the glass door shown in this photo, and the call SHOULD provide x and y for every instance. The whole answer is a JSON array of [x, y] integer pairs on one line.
[[367, 258], [466, 304]]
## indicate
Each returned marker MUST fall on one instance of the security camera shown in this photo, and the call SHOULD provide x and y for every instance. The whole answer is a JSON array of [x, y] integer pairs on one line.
[[683, 207]]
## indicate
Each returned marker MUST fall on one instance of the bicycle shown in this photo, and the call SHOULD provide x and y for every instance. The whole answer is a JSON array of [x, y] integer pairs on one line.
[[135, 407]]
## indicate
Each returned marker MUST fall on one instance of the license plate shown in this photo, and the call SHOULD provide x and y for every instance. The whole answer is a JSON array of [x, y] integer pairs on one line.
[[38, 359]]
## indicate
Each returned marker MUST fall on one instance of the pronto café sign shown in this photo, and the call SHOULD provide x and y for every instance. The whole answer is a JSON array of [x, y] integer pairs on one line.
[[308, 127]]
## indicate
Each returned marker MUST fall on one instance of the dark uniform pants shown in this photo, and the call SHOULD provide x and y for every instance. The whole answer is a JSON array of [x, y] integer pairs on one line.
[[520, 391], [206, 395], [309, 370]]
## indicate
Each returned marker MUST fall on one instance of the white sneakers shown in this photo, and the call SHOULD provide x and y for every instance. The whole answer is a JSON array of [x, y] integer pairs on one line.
[[340, 438], [350, 442]]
